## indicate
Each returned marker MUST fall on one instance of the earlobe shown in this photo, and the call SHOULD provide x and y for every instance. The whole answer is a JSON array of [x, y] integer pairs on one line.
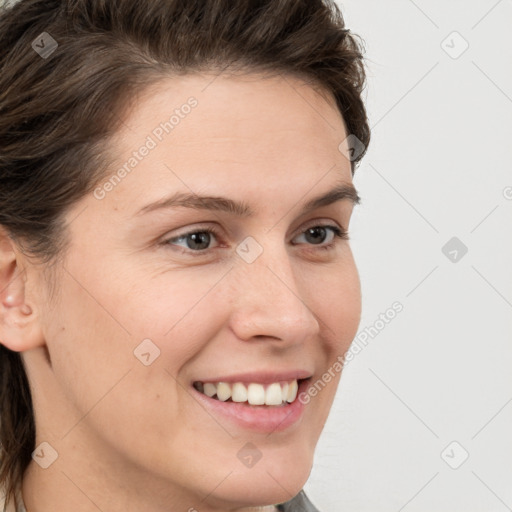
[[19, 325]]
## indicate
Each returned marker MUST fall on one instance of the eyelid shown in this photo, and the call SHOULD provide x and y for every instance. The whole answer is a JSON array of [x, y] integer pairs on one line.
[[319, 222]]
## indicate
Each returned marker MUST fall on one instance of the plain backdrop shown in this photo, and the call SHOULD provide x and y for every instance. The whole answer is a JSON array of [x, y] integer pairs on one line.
[[423, 416]]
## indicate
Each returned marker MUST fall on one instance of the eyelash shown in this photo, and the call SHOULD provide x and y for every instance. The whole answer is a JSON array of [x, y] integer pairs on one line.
[[339, 234]]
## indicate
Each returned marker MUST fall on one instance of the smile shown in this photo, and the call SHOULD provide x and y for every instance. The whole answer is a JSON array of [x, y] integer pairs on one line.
[[259, 401], [273, 394]]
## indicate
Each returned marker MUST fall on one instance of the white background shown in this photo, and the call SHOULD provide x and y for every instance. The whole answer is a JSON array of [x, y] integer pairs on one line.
[[437, 167]]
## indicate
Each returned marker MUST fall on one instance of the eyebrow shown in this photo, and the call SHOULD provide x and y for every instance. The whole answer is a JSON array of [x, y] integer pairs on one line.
[[343, 191]]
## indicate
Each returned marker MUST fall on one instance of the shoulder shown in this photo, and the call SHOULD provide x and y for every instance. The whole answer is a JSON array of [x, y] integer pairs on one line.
[[299, 503]]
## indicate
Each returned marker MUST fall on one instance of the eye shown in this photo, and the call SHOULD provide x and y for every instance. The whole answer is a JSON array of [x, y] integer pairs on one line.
[[315, 233], [197, 242]]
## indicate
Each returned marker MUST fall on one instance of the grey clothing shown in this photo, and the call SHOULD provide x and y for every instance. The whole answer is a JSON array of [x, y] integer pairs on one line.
[[300, 503]]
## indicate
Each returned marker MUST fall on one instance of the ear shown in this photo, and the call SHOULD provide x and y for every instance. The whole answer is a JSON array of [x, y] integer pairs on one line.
[[20, 329]]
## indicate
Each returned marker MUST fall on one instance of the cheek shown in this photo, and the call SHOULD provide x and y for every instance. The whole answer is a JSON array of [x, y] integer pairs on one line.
[[177, 310], [335, 294], [100, 383], [89, 341]]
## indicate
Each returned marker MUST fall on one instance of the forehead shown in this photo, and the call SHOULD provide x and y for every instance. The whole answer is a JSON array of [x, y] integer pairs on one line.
[[251, 131], [233, 107]]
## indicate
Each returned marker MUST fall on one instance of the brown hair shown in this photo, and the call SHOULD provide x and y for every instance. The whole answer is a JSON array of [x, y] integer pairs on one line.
[[69, 68]]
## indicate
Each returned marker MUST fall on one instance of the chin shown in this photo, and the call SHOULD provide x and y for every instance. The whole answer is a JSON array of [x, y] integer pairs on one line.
[[266, 483]]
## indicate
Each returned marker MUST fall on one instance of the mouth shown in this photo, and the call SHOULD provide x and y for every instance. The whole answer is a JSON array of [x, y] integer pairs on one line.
[[259, 401], [274, 394]]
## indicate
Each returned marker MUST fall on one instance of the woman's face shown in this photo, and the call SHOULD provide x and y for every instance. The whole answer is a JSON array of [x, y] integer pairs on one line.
[[148, 304]]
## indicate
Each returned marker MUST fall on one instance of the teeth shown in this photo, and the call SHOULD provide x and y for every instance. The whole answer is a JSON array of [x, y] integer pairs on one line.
[[256, 394], [273, 395], [223, 391], [239, 393], [210, 389], [276, 393], [292, 391]]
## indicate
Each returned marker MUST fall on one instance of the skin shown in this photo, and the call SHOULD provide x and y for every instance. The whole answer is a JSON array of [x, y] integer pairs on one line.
[[131, 437]]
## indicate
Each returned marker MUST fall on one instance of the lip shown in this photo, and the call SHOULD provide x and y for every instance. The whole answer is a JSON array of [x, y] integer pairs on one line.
[[262, 377], [263, 419]]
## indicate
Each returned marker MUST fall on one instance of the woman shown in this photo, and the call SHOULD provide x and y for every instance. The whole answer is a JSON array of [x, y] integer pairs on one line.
[[175, 272]]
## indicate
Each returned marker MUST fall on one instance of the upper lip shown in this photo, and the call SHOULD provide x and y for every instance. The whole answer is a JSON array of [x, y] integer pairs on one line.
[[262, 377]]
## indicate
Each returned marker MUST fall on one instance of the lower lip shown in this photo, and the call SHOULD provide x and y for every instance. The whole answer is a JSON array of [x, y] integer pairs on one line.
[[258, 418]]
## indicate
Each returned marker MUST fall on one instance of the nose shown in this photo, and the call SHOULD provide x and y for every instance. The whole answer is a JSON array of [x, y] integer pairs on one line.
[[267, 301]]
